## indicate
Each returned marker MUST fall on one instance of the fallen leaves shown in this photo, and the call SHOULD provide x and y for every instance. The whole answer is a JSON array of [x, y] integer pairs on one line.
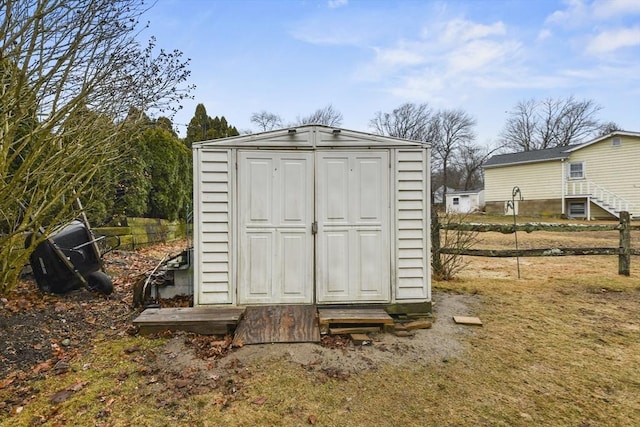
[[259, 401], [209, 346], [65, 394], [42, 367]]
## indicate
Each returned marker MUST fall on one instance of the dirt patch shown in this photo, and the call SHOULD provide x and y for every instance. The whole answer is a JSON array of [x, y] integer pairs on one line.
[[442, 342]]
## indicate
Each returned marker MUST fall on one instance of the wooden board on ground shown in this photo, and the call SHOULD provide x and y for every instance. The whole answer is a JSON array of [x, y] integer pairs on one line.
[[466, 320], [201, 320], [354, 330], [351, 316], [278, 323], [360, 339], [418, 324]]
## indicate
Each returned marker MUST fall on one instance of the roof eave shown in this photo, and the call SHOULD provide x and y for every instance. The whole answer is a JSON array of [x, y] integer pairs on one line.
[[499, 165]]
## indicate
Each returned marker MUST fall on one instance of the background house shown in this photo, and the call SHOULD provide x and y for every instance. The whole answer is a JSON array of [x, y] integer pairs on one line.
[[311, 215], [465, 201], [593, 180]]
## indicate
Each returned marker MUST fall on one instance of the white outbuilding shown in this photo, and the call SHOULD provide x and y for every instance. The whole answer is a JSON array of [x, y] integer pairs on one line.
[[465, 201], [312, 215]]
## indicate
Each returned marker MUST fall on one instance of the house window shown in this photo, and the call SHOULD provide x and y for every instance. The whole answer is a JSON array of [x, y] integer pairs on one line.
[[456, 201], [576, 170], [616, 142], [577, 209]]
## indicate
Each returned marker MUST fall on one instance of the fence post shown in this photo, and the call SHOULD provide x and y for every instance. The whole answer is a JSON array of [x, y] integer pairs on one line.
[[624, 257]]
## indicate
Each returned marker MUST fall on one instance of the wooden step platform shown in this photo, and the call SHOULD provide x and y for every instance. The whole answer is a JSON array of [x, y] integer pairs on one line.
[[351, 319], [201, 320], [278, 324]]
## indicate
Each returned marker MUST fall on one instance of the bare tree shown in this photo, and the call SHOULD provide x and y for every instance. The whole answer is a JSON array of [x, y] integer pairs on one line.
[[409, 121], [468, 163], [266, 121], [452, 130], [443, 235], [69, 72], [608, 127], [534, 125], [448, 132], [328, 116]]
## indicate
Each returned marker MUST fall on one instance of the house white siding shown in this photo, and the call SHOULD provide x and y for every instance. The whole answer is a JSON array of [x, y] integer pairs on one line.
[[596, 179], [615, 168], [537, 181]]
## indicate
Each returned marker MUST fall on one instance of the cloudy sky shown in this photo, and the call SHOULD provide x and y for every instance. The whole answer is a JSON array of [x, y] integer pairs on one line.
[[291, 57]]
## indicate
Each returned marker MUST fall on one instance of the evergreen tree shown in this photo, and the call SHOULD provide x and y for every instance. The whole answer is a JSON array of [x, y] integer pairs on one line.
[[168, 164], [198, 126], [202, 127]]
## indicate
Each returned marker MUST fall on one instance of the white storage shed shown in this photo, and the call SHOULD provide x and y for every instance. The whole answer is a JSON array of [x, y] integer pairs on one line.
[[311, 215], [465, 201]]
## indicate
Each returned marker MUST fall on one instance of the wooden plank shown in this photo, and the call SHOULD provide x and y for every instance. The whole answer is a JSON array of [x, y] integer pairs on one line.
[[466, 320], [354, 330], [529, 227], [201, 320], [360, 339], [418, 324], [354, 315], [280, 323], [509, 253], [419, 309]]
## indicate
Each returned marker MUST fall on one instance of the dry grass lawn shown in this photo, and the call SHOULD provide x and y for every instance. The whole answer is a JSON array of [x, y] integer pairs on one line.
[[560, 346]]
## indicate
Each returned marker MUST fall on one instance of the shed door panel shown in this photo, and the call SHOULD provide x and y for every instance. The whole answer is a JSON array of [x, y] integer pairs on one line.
[[353, 231], [276, 211]]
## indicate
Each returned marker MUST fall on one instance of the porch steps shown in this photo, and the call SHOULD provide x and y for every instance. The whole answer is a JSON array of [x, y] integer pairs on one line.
[[603, 205], [352, 317], [600, 196], [201, 320]]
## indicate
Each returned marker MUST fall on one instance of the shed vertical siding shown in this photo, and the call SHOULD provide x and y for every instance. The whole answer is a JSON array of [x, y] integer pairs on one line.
[[412, 217], [213, 237]]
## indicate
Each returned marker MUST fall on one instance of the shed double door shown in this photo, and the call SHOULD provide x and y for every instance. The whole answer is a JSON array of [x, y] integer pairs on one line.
[[285, 198]]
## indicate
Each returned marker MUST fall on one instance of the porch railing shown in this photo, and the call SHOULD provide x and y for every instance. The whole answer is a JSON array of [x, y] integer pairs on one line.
[[600, 194]]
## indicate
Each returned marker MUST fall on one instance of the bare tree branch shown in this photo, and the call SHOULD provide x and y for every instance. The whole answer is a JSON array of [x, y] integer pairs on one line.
[[328, 116], [534, 125], [70, 70], [266, 121]]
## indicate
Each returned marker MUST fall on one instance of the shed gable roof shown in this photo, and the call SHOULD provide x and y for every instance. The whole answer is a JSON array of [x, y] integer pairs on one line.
[[310, 136]]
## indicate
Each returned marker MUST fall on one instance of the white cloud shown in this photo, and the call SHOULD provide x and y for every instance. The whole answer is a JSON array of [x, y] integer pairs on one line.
[[334, 4], [425, 85], [603, 9], [480, 55], [610, 41], [581, 13], [460, 30], [544, 34], [401, 56], [575, 14]]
